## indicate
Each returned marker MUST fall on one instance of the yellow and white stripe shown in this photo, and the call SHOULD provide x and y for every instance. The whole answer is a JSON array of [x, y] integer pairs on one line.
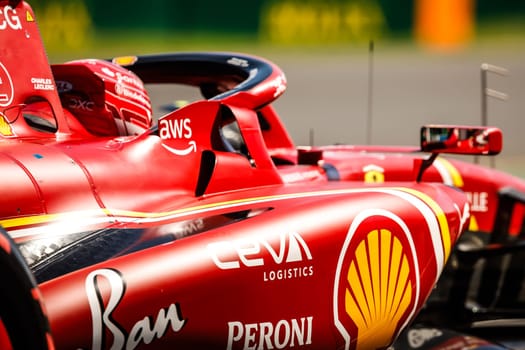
[[451, 176], [448, 172], [66, 222], [441, 239]]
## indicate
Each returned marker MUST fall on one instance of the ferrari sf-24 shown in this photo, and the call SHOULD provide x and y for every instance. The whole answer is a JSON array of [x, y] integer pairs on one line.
[[208, 228]]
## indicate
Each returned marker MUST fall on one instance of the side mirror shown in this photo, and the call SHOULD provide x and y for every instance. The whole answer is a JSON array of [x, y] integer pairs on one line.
[[461, 139], [476, 140]]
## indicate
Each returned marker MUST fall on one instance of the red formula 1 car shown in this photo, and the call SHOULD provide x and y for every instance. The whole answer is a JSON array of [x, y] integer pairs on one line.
[[225, 248]]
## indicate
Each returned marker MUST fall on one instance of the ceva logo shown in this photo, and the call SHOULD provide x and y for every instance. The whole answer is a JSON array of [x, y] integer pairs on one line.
[[291, 259], [251, 252]]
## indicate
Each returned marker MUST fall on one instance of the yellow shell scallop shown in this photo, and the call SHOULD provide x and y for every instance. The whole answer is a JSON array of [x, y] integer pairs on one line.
[[379, 289]]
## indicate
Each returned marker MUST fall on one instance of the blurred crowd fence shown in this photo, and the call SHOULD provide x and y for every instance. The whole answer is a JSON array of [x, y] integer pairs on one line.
[[74, 23]]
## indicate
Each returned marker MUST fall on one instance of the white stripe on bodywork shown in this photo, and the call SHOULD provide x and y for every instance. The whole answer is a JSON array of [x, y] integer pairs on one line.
[[432, 223], [443, 172]]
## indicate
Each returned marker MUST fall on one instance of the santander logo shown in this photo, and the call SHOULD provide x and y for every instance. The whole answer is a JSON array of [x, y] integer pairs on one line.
[[146, 330]]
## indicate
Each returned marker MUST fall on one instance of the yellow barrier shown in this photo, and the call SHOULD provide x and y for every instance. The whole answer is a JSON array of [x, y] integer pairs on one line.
[[297, 22]]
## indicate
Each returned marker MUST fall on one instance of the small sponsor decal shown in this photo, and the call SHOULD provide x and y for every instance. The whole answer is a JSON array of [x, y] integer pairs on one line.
[[63, 86], [288, 273], [418, 337], [373, 174], [122, 80], [252, 252], [80, 104], [122, 91], [129, 80], [241, 62], [479, 201], [29, 17], [43, 84], [144, 331], [283, 334], [189, 228], [9, 19]]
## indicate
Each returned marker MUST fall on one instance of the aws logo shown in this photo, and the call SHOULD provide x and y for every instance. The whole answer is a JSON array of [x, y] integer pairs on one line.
[[376, 285], [177, 129]]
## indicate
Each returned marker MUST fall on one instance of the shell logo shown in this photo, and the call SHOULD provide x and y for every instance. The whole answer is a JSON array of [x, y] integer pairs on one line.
[[377, 280]]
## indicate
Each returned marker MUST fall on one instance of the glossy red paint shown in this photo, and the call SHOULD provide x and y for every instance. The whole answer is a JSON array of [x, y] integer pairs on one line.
[[234, 285]]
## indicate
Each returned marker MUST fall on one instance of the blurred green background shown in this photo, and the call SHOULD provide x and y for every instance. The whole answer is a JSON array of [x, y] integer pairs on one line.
[[100, 27]]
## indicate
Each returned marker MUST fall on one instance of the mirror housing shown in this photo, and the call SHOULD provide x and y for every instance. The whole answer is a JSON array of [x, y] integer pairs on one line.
[[455, 139]]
